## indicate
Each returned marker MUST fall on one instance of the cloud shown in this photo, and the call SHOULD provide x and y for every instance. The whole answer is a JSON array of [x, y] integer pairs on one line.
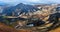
[[33, 0], [30, 1]]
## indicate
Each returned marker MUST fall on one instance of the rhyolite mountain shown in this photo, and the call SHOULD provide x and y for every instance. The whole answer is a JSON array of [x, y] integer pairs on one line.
[[19, 9]]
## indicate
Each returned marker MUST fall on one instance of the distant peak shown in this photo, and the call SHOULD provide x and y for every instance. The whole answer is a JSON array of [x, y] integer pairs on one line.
[[21, 4]]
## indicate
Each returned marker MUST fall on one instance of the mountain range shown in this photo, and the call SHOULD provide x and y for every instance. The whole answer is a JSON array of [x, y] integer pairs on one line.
[[19, 9]]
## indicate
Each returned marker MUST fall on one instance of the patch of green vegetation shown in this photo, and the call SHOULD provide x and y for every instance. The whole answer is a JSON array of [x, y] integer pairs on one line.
[[13, 24], [7, 22], [4, 16]]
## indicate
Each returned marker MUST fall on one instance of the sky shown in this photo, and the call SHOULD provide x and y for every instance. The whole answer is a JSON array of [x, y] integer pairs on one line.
[[29, 1]]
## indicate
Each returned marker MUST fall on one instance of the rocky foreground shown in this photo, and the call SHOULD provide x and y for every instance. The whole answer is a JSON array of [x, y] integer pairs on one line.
[[4, 28]]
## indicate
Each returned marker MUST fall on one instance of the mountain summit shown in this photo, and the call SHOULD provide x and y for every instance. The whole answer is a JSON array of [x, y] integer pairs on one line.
[[19, 9]]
